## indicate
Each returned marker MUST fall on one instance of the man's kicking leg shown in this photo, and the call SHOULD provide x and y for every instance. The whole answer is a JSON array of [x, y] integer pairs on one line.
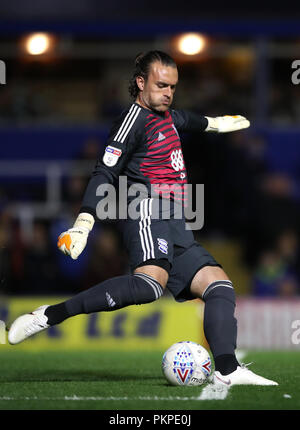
[[145, 285], [213, 286]]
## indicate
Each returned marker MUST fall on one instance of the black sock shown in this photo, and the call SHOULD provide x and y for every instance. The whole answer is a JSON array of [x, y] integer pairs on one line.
[[110, 295], [56, 313], [220, 325], [226, 363]]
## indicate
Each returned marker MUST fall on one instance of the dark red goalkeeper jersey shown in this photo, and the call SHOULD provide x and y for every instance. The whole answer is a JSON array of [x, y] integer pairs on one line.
[[144, 146]]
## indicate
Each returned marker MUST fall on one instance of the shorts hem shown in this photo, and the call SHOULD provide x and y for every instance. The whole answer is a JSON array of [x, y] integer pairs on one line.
[[164, 263], [188, 296]]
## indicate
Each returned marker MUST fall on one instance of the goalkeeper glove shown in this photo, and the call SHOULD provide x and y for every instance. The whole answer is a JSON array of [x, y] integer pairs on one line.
[[227, 123], [72, 242]]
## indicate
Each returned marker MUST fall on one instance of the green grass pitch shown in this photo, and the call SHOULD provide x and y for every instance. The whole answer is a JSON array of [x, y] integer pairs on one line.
[[105, 380]]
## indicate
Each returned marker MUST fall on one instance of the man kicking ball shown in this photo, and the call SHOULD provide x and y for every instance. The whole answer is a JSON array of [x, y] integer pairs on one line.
[[144, 146]]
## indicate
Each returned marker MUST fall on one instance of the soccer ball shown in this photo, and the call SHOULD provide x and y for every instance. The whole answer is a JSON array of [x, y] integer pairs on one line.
[[186, 363]]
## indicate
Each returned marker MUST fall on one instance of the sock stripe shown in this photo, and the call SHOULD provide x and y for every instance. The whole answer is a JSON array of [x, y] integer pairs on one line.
[[153, 286], [151, 281], [216, 284], [157, 288]]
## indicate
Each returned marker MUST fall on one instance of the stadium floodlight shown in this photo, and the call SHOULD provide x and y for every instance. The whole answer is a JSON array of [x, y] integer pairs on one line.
[[38, 43], [191, 43]]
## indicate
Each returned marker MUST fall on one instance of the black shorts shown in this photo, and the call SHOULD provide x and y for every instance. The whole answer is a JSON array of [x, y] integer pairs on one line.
[[147, 238]]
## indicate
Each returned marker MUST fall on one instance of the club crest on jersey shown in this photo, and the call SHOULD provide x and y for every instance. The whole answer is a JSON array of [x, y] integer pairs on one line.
[[111, 155], [162, 245]]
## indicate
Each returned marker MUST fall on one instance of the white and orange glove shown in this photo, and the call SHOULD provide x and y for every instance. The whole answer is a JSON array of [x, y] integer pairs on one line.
[[227, 123], [73, 241]]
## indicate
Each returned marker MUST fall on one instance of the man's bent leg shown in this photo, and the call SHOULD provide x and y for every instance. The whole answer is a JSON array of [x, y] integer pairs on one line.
[[112, 294], [144, 286], [213, 286]]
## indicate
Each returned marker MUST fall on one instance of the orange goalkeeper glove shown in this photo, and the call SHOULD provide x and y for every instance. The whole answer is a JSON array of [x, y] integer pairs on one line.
[[73, 241]]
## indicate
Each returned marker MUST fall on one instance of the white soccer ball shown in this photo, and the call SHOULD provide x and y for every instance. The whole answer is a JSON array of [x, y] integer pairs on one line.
[[186, 363]]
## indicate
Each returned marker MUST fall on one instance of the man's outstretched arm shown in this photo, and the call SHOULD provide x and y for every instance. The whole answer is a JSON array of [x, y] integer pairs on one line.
[[191, 121], [227, 123]]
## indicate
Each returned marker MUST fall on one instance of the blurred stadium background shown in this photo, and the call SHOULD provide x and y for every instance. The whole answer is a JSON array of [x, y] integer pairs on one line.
[[61, 92]]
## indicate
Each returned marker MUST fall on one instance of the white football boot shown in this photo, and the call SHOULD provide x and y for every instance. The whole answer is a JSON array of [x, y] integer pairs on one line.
[[241, 376], [27, 325]]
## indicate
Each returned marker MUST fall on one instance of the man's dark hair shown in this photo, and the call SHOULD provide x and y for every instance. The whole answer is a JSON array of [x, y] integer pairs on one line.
[[142, 66]]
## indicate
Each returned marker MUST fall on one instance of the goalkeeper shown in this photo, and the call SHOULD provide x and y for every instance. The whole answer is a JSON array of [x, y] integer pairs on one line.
[[144, 146]]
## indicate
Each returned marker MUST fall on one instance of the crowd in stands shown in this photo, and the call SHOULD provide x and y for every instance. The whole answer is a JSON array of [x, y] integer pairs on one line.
[[211, 87]]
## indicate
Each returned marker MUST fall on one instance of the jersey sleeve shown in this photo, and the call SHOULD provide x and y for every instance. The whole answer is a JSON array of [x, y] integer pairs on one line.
[[123, 139], [188, 121]]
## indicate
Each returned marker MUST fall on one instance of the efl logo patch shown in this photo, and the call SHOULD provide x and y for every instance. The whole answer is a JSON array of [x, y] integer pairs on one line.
[[111, 155], [162, 245]]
